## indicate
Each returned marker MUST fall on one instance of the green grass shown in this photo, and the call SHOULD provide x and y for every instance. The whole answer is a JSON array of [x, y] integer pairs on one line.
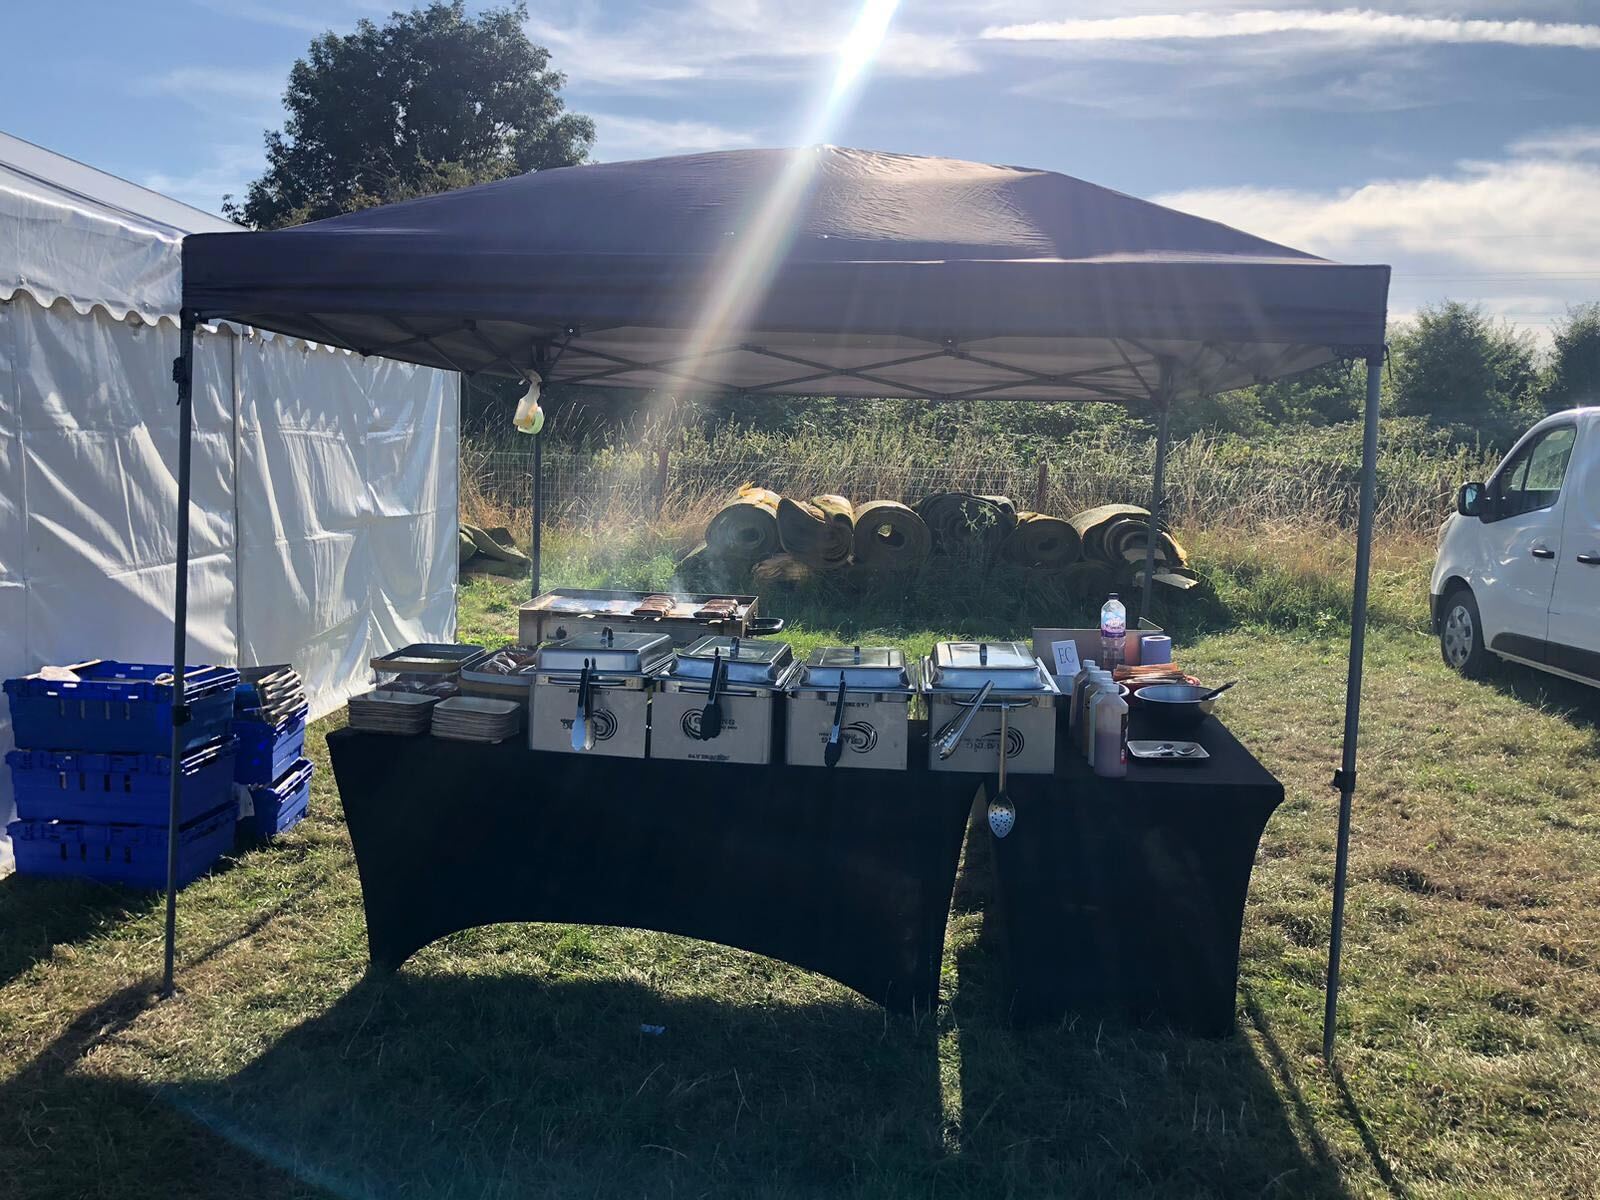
[[508, 1061]]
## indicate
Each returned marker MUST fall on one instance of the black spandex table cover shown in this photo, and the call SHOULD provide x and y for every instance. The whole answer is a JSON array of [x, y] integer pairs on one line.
[[1126, 896], [845, 872]]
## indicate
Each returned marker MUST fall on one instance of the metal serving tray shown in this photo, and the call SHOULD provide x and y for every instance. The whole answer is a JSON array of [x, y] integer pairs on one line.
[[609, 653], [878, 669], [749, 662], [967, 666], [427, 658]]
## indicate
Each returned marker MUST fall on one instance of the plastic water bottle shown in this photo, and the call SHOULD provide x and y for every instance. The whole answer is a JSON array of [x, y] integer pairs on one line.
[[1113, 632]]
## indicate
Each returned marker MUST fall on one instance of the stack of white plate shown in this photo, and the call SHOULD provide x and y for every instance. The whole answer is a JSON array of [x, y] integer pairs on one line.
[[476, 719], [391, 712]]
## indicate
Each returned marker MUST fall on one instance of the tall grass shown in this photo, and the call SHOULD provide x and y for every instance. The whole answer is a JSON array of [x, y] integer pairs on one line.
[[1304, 478]]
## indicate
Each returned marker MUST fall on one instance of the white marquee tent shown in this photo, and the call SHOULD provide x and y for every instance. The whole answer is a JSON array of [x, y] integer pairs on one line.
[[325, 483]]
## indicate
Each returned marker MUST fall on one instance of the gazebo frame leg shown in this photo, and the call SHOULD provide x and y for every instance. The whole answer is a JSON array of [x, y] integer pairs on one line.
[[183, 376], [1345, 778]]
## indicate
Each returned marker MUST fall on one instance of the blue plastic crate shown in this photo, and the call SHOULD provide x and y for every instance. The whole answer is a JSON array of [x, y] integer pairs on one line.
[[267, 751], [282, 805], [119, 708], [135, 855], [120, 789]]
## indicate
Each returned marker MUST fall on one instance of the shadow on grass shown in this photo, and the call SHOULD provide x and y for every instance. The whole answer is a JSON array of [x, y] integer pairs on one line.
[[1308, 1126], [37, 915], [510, 1085], [74, 1134], [1576, 703], [1093, 1107]]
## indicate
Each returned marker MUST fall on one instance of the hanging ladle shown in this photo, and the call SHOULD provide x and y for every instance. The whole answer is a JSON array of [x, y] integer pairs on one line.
[[1002, 815]]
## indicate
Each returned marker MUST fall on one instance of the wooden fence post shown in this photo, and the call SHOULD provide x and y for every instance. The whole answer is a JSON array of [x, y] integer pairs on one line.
[[1041, 492], [663, 466]]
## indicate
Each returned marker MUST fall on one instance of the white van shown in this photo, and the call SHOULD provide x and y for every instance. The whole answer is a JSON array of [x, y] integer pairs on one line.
[[1518, 572]]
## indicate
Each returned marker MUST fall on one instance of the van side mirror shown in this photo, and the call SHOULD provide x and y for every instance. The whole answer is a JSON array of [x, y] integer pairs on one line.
[[1469, 500]]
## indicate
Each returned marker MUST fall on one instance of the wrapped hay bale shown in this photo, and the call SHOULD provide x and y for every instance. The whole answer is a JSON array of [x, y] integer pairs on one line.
[[890, 537], [1118, 535], [817, 532], [967, 523], [1046, 542], [746, 528]]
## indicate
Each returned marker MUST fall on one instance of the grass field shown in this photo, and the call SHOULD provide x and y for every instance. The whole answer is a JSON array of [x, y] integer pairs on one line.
[[508, 1061]]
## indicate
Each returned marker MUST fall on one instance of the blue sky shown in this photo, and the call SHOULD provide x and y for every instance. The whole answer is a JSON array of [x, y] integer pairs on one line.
[[1459, 141]]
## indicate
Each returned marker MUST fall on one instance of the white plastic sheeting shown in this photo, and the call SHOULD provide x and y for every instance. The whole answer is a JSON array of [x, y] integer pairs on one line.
[[347, 511], [324, 518], [324, 521], [70, 232]]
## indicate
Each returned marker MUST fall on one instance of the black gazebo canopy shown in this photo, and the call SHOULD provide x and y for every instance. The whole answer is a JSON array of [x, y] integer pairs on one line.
[[815, 271]]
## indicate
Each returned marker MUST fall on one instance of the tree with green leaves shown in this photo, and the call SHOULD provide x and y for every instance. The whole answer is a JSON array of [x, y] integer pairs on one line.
[[1466, 372], [1574, 376], [431, 100]]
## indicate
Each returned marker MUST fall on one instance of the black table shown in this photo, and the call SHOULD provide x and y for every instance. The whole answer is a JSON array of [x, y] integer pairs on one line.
[[1126, 896], [845, 872]]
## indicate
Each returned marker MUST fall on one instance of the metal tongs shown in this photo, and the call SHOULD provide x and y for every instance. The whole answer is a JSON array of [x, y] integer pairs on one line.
[[958, 729], [835, 747], [711, 714], [583, 721]]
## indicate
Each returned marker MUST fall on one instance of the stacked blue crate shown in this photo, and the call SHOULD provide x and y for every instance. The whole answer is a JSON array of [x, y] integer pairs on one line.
[[93, 772], [270, 723]]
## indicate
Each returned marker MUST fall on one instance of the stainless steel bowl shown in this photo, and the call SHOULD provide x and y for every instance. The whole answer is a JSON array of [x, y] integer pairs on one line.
[[1175, 706]]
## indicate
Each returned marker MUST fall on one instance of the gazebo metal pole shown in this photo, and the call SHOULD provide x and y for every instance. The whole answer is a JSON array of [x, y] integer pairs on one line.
[[1158, 495], [1345, 778], [183, 376], [537, 518]]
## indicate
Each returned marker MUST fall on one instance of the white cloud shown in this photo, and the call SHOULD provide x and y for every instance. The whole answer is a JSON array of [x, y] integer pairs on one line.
[[619, 137], [1574, 142], [1351, 24], [744, 40], [1521, 236]]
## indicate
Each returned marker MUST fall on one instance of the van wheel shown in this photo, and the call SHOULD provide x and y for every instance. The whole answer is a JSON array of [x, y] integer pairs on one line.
[[1461, 635]]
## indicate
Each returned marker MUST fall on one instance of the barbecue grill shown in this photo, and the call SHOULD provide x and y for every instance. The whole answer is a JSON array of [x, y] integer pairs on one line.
[[685, 617]]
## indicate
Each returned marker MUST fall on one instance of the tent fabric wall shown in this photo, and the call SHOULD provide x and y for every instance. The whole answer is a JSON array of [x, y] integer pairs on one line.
[[347, 511], [324, 517]]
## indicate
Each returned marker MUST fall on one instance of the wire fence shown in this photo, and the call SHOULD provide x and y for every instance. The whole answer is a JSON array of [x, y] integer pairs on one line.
[[606, 487]]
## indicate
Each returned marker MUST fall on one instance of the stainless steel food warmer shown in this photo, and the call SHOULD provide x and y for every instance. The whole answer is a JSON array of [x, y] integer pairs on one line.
[[591, 693], [865, 725], [684, 616], [717, 702], [966, 685]]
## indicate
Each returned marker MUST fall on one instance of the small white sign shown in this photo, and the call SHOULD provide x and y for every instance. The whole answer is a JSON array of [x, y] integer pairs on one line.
[[1066, 656]]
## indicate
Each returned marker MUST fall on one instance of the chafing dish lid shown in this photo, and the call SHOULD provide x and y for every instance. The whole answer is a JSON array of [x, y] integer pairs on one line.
[[865, 668], [610, 652], [428, 658], [969, 665], [750, 660]]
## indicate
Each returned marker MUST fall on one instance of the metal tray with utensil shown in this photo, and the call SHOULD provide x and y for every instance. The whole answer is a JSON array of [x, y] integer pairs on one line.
[[591, 693], [849, 706], [719, 701], [967, 684]]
